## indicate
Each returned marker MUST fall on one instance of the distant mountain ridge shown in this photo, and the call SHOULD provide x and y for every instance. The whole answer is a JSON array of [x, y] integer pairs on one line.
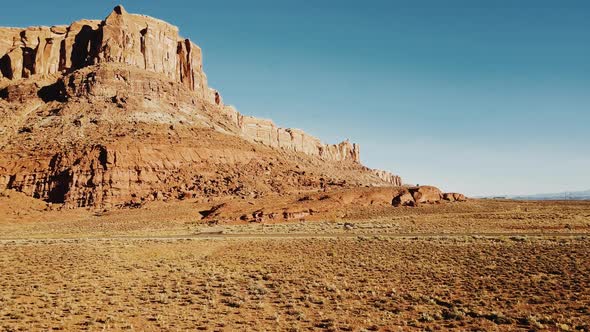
[[566, 195]]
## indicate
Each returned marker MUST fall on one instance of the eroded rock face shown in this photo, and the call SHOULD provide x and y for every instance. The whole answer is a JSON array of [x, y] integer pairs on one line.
[[80, 45], [426, 194], [104, 113], [113, 175], [403, 199], [454, 197], [153, 45], [46, 51], [388, 177], [137, 40], [7, 39], [266, 132], [414, 196]]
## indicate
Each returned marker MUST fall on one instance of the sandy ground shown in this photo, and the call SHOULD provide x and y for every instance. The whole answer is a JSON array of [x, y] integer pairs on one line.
[[28, 218], [479, 265]]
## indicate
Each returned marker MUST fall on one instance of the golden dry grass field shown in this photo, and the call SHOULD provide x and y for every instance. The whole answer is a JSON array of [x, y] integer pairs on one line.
[[482, 265]]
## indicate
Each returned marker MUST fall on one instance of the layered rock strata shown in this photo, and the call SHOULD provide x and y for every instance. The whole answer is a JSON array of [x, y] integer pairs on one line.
[[387, 177], [150, 44], [101, 113], [266, 132], [137, 40]]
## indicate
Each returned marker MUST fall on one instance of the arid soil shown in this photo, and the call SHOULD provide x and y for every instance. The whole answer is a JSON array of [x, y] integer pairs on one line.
[[360, 209], [477, 265]]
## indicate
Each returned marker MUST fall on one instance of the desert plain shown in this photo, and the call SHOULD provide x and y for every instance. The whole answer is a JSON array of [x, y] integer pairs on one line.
[[480, 265]]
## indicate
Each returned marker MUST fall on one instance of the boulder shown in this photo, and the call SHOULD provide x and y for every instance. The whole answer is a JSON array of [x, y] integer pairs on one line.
[[454, 197], [21, 92], [404, 198], [376, 196], [425, 194]]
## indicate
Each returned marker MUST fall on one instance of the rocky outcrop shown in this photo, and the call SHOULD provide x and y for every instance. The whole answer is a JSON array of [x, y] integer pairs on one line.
[[414, 196], [153, 45], [103, 113], [454, 197], [425, 194], [404, 198], [113, 175], [137, 40], [135, 170], [121, 84], [266, 132], [47, 50], [387, 177], [7, 39]]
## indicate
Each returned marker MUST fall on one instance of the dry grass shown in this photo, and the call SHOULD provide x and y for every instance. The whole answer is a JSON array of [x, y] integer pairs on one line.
[[182, 218], [516, 281], [287, 284]]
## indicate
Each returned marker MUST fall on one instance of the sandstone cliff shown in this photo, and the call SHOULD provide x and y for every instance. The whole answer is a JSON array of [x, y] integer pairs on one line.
[[135, 40], [110, 112], [149, 44]]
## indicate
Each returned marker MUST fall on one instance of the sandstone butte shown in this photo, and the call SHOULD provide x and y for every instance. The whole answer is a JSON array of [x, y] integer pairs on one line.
[[118, 112]]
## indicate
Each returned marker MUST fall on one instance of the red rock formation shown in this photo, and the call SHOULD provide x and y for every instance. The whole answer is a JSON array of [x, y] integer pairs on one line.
[[135, 40], [102, 113], [403, 199], [425, 194], [149, 44], [388, 177], [266, 132], [454, 197], [45, 51], [414, 196]]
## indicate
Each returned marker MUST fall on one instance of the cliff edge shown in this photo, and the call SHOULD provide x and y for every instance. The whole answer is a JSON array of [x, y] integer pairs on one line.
[[117, 111]]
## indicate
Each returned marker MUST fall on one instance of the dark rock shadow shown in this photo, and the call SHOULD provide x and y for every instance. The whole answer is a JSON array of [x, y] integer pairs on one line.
[[53, 92], [83, 47], [60, 185], [5, 65]]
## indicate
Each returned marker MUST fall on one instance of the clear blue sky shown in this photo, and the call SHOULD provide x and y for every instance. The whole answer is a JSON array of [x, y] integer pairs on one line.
[[481, 97]]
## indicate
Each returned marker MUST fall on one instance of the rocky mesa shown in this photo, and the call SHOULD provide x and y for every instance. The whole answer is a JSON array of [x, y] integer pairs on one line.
[[146, 43], [118, 112]]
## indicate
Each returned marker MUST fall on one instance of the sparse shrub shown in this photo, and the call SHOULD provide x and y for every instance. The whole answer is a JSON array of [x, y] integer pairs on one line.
[[425, 317], [453, 314]]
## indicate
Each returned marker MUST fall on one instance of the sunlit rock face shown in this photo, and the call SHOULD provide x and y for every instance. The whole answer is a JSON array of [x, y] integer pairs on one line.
[[104, 112]]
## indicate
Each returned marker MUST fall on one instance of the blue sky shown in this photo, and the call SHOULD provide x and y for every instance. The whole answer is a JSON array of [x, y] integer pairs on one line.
[[481, 97]]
